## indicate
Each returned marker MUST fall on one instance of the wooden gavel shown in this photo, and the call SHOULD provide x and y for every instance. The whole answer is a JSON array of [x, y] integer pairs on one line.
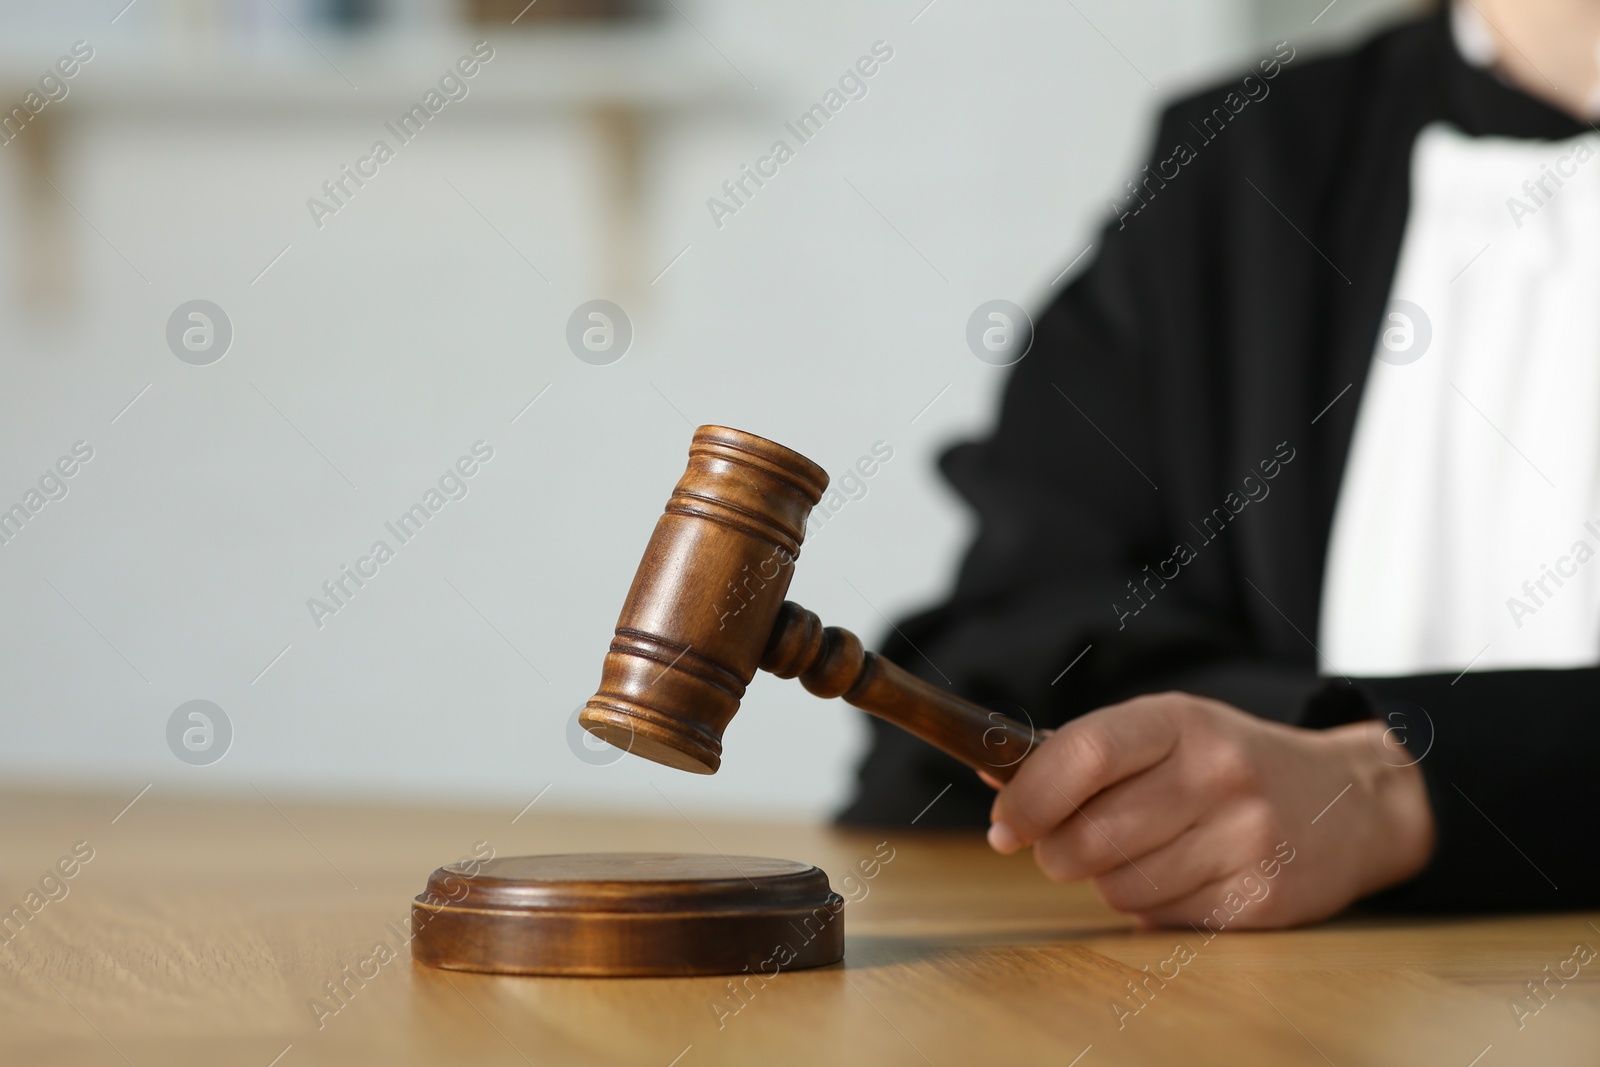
[[707, 608]]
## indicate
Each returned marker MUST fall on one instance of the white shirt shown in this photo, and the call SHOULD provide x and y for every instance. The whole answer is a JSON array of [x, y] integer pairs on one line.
[[1474, 470]]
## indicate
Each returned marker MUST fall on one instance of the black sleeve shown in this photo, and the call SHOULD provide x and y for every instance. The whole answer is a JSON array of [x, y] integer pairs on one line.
[[1510, 760]]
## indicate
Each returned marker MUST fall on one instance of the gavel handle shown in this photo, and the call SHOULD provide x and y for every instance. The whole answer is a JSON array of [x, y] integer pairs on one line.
[[831, 662]]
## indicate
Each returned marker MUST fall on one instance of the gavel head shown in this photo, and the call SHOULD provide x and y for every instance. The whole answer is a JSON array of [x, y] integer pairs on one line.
[[705, 599]]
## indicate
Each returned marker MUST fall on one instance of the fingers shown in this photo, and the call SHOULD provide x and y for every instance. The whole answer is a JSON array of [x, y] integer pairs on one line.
[[1132, 818], [991, 781], [1191, 909], [1194, 859], [1237, 901], [1087, 755]]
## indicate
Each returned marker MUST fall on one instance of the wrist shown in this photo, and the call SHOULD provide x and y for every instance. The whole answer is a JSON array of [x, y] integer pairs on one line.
[[1398, 832]]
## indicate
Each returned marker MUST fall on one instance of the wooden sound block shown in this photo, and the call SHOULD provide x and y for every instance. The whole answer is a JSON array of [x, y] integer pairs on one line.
[[628, 913]]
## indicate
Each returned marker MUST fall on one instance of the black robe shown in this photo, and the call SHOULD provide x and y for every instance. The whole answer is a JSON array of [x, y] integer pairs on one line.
[[1211, 333]]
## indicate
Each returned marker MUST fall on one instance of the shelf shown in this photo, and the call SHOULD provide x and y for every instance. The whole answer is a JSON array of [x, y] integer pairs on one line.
[[648, 69]]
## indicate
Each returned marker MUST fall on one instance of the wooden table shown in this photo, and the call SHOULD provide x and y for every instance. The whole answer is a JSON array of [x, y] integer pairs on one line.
[[202, 930]]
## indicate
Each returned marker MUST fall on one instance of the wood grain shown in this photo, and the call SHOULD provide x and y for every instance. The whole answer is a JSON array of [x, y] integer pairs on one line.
[[202, 928]]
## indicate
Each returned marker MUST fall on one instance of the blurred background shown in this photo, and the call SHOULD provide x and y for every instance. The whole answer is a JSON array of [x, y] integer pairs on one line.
[[358, 337]]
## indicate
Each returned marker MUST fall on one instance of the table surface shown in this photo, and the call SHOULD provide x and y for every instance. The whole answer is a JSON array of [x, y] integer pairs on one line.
[[202, 931]]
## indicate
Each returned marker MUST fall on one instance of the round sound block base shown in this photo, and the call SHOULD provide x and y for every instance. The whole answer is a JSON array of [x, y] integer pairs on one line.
[[628, 913]]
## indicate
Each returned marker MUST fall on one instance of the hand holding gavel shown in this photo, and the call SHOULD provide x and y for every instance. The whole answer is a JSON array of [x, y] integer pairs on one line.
[[681, 659]]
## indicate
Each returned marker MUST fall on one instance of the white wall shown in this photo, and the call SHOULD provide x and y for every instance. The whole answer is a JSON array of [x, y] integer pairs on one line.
[[407, 329]]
